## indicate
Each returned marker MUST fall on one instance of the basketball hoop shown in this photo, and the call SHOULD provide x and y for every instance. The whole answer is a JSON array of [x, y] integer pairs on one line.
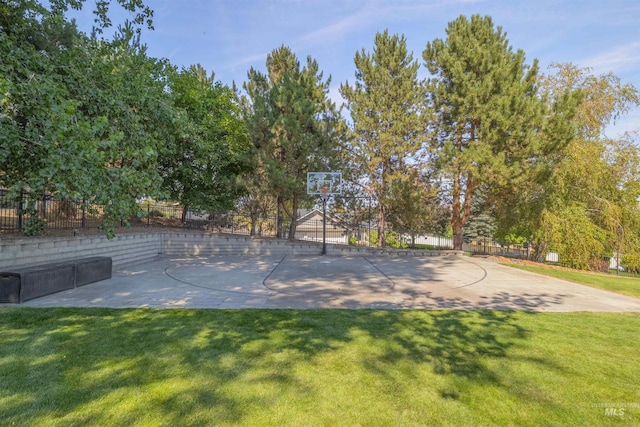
[[324, 193], [321, 183], [325, 185]]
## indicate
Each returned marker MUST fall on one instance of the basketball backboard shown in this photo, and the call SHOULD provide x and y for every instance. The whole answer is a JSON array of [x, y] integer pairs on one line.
[[324, 183]]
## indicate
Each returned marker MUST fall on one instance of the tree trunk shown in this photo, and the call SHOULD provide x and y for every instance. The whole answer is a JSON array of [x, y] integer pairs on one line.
[[460, 210], [539, 251], [381, 224], [456, 221], [457, 235], [294, 218], [183, 217], [280, 218], [254, 219]]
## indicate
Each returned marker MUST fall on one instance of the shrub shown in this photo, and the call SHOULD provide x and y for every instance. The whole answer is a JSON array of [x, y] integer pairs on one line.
[[392, 240], [34, 225], [156, 213], [373, 238], [598, 264], [632, 262]]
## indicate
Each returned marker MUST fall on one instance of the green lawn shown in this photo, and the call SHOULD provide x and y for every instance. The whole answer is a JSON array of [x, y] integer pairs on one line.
[[106, 367], [622, 285]]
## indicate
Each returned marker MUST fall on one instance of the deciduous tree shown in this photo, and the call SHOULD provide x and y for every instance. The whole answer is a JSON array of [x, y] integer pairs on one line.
[[594, 180], [81, 117], [202, 166]]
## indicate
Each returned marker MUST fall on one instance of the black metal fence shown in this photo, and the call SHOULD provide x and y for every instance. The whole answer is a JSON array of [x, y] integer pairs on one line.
[[30, 214], [34, 215]]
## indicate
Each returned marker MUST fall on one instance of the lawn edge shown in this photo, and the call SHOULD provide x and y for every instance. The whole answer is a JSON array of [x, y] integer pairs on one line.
[[524, 268]]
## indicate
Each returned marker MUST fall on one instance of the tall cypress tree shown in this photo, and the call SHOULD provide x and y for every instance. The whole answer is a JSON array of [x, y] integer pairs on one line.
[[489, 115], [386, 105]]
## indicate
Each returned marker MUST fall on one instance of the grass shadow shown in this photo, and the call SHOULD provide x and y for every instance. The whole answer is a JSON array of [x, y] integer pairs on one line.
[[63, 361]]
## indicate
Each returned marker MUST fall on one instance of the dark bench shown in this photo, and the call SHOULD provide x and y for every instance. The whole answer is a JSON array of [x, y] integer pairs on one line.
[[23, 284], [94, 269]]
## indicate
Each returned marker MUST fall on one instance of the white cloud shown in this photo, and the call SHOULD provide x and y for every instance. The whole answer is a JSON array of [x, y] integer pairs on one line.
[[369, 14], [336, 29], [618, 59], [251, 59]]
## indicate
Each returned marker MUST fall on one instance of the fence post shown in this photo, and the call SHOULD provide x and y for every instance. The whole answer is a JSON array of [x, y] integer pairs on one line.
[[44, 206], [20, 201], [83, 218], [148, 213]]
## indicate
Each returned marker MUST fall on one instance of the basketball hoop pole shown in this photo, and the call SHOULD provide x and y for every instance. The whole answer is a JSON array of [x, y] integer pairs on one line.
[[324, 196], [324, 184]]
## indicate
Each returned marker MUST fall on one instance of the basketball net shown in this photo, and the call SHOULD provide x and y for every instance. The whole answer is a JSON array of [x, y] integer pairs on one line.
[[323, 193]]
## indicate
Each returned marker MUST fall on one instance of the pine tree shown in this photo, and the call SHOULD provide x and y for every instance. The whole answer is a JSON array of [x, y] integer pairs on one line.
[[386, 105], [488, 111], [294, 126]]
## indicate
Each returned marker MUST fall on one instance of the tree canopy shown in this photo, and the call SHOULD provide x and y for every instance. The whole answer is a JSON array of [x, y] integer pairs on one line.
[[87, 118], [201, 167], [294, 126], [79, 114], [486, 140], [386, 104], [586, 205], [489, 114]]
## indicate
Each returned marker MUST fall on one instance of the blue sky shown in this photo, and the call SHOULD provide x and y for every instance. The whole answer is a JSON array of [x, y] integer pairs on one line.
[[230, 36]]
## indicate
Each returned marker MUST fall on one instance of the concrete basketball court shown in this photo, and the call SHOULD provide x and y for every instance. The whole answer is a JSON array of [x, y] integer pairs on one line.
[[335, 282]]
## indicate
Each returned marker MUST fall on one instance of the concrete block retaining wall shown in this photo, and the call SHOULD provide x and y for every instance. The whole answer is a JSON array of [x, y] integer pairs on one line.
[[191, 244], [344, 250], [123, 249], [138, 247]]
